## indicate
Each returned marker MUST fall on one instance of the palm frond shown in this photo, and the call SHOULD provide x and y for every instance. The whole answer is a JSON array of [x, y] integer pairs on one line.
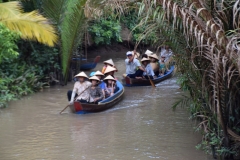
[[73, 27], [55, 10], [95, 8], [32, 26], [10, 9]]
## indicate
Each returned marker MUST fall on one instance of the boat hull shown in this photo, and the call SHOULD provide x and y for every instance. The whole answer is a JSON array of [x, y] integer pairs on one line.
[[129, 82], [102, 105], [88, 66]]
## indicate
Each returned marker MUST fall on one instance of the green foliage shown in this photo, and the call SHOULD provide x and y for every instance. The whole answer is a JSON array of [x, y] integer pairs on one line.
[[17, 79], [24, 73], [133, 22], [43, 58], [105, 30], [8, 46]]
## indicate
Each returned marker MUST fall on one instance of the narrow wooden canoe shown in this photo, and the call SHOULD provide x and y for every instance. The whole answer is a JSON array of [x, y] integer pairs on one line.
[[129, 82], [90, 65], [102, 105], [87, 65]]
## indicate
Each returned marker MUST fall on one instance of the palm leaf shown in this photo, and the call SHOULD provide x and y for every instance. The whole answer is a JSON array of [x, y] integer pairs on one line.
[[32, 26], [73, 27], [10, 9], [54, 9]]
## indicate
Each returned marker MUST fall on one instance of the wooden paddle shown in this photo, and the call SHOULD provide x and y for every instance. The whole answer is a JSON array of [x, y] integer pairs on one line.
[[74, 100], [153, 85]]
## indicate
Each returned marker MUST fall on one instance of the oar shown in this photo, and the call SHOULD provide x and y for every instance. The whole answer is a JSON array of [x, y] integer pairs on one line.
[[74, 100], [153, 85]]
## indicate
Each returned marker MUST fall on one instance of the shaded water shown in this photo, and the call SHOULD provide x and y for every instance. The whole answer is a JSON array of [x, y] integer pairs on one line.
[[142, 126]]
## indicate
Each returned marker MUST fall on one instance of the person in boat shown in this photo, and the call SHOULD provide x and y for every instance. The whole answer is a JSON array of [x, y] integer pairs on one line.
[[110, 71], [101, 83], [136, 55], [95, 91], [162, 66], [166, 52], [100, 77], [154, 63], [144, 56], [148, 52], [80, 89], [108, 63], [133, 66], [111, 86], [149, 71]]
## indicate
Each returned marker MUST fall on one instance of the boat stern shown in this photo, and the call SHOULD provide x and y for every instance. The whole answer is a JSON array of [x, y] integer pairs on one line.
[[77, 106]]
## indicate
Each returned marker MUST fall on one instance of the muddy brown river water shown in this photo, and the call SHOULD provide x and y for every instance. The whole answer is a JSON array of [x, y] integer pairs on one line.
[[142, 126]]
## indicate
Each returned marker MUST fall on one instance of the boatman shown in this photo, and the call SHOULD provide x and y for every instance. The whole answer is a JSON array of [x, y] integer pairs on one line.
[[81, 89], [133, 66]]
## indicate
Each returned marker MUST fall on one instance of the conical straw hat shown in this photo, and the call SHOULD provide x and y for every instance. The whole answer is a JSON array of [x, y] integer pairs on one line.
[[148, 52], [145, 59], [154, 56], [94, 78], [109, 69], [98, 73], [81, 74], [110, 61], [137, 55], [109, 77]]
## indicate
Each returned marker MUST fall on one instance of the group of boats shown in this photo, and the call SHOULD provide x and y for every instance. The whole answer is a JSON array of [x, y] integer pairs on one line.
[[109, 102]]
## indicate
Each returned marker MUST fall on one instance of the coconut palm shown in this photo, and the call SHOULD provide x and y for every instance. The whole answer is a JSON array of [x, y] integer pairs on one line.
[[32, 25], [209, 61]]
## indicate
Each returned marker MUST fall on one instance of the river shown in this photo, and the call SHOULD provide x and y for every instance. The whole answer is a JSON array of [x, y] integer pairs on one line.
[[142, 126]]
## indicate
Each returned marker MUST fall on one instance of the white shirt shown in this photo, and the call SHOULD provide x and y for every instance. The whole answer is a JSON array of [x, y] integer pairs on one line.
[[166, 54], [149, 70], [80, 87], [132, 66]]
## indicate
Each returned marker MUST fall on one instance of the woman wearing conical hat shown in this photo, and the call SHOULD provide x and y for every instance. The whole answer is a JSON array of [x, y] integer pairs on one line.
[[110, 71], [108, 63], [111, 86], [149, 71], [80, 89], [154, 63], [102, 84], [148, 52], [95, 91]]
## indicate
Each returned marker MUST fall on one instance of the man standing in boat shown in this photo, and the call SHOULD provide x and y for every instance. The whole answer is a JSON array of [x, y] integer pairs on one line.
[[133, 66]]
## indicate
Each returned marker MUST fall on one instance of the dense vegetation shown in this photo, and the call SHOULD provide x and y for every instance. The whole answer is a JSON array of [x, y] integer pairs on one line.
[[21, 70], [204, 36]]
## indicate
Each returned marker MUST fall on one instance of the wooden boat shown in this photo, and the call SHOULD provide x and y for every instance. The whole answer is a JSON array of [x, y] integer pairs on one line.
[[145, 82], [87, 65], [105, 104]]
